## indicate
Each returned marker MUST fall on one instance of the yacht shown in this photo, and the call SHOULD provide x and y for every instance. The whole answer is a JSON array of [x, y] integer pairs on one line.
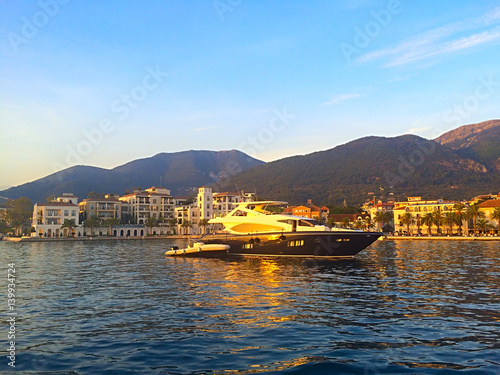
[[253, 229]]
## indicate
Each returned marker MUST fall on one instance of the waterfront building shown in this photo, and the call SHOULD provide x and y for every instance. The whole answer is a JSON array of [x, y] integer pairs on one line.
[[347, 220], [155, 202], [105, 208], [309, 211], [49, 217], [381, 207], [188, 217], [489, 207], [418, 208]]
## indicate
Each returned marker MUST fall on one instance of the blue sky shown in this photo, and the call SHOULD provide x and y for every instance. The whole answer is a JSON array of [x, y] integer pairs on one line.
[[102, 83]]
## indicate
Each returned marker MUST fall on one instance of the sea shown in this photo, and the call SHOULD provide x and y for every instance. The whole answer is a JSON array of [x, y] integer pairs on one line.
[[123, 307]]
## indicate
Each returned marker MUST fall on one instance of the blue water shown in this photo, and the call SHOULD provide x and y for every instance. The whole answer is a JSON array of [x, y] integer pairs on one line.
[[122, 307]]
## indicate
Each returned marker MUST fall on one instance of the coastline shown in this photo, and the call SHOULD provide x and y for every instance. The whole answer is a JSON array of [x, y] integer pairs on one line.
[[98, 238], [187, 237], [440, 238]]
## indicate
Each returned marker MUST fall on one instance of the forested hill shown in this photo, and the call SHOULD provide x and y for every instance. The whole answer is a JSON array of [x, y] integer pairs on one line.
[[405, 165], [480, 142], [181, 172]]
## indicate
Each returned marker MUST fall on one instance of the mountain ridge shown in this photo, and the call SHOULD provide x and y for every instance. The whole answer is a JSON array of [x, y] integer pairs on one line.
[[459, 164], [193, 168]]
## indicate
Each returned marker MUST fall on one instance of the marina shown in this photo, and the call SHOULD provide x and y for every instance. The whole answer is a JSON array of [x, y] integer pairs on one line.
[[125, 307]]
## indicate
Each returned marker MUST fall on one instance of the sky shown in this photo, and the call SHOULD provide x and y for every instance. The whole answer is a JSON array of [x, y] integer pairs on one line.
[[102, 83]]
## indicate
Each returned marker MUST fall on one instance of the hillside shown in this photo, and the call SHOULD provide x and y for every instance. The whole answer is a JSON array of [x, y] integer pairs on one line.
[[480, 142], [405, 165], [181, 172]]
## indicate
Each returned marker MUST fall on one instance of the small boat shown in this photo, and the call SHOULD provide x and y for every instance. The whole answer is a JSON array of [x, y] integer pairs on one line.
[[199, 249]]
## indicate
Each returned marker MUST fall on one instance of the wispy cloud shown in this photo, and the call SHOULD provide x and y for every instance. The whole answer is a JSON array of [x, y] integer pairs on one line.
[[442, 40], [418, 130], [341, 97]]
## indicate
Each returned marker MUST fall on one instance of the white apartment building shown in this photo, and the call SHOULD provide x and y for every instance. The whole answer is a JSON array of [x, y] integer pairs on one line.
[[153, 202], [49, 217]]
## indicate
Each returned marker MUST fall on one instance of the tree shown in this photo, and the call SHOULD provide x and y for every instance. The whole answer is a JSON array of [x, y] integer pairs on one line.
[[150, 223], [50, 198], [111, 223], [438, 220], [483, 224], [450, 218], [346, 223], [368, 223], [91, 223], [172, 223], [203, 224], [460, 211], [186, 224], [408, 220], [70, 225], [381, 218], [474, 212], [428, 220], [495, 215], [19, 211]]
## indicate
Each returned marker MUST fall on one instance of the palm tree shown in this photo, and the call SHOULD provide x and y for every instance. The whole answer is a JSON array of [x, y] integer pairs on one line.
[[172, 223], [94, 221], [495, 215], [346, 223], [359, 223], [460, 211], [111, 223], [428, 220], [204, 223], [438, 220], [70, 225], [186, 224], [150, 223], [450, 218], [381, 218], [474, 212], [408, 219], [483, 224], [368, 223], [418, 221]]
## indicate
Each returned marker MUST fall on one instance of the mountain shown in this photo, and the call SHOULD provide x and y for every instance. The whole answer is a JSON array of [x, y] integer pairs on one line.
[[181, 172], [406, 165], [480, 142]]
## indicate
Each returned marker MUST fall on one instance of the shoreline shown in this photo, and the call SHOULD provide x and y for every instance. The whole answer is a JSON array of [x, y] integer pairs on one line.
[[98, 238], [441, 238], [187, 237]]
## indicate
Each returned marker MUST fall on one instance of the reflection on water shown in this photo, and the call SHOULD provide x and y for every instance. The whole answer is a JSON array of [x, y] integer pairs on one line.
[[123, 307]]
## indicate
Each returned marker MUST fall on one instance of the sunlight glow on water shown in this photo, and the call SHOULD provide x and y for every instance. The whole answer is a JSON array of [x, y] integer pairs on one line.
[[123, 307]]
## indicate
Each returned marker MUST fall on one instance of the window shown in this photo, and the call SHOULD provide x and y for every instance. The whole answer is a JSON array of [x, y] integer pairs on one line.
[[295, 243], [247, 246], [66, 212]]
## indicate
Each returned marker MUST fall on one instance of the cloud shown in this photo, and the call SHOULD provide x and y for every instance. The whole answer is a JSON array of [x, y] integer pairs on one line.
[[418, 130], [443, 40], [340, 98]]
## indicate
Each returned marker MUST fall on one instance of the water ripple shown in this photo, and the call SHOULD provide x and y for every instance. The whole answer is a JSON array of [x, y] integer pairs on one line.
[[124, 308]]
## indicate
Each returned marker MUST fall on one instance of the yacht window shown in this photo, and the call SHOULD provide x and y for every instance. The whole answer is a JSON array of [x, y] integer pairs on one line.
[[304, 223]]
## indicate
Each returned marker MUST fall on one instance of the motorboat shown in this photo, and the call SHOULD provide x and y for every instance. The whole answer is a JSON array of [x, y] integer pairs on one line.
[[199, 249], [253, 229]]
